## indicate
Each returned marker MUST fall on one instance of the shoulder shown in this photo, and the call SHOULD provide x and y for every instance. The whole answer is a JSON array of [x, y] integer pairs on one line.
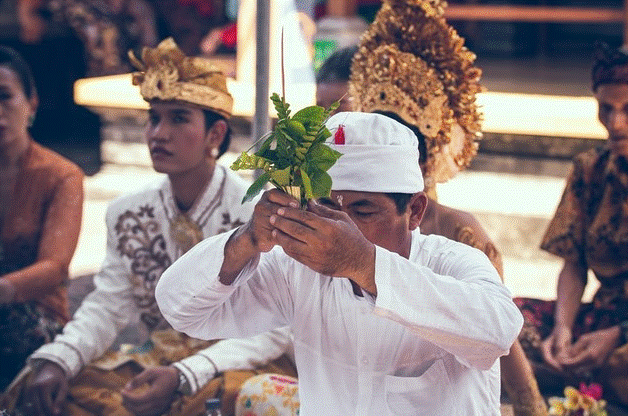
[[51, 165], [587, 164], [147, 197], [462, 226]]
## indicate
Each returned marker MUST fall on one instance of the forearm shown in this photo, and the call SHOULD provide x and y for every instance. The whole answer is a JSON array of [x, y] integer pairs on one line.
[[194, 301], [570, 288], [233, 354], [36, 280], [466, 310], [94, 327], [239, 251]]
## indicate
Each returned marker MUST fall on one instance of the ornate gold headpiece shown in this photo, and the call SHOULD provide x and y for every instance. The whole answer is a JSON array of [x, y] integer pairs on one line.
[[412, 63], [167, 74]]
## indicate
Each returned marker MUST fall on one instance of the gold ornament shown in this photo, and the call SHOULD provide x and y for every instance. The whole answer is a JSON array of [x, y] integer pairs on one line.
[[412, 63], [165, 73], [184, 232]]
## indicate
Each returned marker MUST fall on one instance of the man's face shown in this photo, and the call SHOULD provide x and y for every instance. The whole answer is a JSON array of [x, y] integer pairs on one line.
[[613, 114], [375, 214], [177, 137], [329, 92]]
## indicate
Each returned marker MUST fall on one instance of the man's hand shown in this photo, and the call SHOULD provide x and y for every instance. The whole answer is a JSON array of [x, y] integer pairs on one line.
[[591, 350], [255, 236], [159, 385], [555, 347], [326, 241], [46, 391]]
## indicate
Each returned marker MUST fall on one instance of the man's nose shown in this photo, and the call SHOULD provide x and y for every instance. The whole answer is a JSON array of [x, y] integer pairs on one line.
[[159, 131], [618, 120]]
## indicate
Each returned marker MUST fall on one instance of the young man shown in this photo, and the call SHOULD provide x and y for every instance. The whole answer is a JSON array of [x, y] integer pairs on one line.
[[385, 320], [77, 374]]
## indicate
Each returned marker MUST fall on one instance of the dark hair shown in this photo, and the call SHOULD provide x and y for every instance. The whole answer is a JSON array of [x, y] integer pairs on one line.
[[610, 66], [337, 66], [10, 58], [401, 201], [212, 117]]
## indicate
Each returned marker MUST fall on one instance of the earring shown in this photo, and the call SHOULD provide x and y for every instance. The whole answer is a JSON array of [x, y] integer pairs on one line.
[[214, 152], [31, 120]]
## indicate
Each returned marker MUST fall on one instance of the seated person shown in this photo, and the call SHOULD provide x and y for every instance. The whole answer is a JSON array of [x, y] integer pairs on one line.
[[332, 79], [385, 320], [76, 374], [569, 340], [444, 150], [41, 206]]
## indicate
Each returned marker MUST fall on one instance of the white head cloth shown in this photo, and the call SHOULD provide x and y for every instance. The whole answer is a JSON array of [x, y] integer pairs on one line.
[[379, 154]]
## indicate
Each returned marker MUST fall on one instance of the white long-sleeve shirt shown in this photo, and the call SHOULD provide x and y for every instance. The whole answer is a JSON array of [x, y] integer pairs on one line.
[[140, 246], [428, 344]]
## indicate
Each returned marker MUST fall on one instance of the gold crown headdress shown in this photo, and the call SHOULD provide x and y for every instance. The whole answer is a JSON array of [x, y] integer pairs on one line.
[[412, 63], [166, 73]]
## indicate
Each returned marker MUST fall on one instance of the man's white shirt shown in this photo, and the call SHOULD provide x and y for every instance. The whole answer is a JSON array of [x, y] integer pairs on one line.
[[427, 344]]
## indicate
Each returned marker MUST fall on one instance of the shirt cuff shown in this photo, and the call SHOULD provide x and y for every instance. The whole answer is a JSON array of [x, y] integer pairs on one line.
[[61, 353], [198, 369]]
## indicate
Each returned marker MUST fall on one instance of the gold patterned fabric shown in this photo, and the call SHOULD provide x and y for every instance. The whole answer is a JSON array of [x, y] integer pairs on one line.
[[413, 63], [591, 222], [165, 73], [95, 391]]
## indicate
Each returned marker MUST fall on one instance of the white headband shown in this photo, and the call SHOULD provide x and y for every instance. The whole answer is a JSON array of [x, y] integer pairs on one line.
[[379, 154]]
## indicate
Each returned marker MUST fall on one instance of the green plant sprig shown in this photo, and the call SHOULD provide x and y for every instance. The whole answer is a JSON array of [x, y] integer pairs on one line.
[[294, 155]]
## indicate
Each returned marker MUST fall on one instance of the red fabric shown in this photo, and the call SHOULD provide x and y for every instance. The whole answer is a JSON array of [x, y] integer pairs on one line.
[[339, 136], [229, 36]]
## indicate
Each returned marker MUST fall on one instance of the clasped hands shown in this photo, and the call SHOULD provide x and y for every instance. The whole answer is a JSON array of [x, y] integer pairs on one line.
[[150, 393], [323, 239], [587, 353]]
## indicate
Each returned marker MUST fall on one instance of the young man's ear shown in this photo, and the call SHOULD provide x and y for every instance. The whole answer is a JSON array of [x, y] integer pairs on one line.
[[417, 206], [216, 134]]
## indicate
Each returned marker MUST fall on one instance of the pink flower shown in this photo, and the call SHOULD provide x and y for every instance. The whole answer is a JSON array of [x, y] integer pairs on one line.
[[593, 390]]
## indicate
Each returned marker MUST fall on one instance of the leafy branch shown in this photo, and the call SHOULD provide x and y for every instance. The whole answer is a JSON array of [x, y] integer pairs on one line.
[[294, 157]]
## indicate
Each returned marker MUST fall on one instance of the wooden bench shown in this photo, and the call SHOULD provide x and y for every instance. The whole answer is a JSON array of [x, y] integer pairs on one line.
[[473, 12]]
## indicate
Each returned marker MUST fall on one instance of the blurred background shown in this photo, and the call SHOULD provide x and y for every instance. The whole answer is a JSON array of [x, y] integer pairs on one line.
[[535, 56]]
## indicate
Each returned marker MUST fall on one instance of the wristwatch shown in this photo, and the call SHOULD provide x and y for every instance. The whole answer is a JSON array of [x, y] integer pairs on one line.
[[184, 385]]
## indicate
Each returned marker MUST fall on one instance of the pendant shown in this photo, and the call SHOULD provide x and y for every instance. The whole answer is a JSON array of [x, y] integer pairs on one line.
[[184, 232]]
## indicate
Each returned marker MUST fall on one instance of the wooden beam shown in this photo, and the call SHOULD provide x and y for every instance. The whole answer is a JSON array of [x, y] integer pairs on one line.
[[546, 14]]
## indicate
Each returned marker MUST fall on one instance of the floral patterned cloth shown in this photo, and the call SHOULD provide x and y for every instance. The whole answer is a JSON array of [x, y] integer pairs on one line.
[[268, 395]]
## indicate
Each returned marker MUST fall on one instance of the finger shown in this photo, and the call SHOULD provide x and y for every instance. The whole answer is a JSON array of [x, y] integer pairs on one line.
[[577, 362], [280, 198], [62, 394], [290, 227], [292, 247], [323, 211], [546, 349], [307, 218], [143, 378]]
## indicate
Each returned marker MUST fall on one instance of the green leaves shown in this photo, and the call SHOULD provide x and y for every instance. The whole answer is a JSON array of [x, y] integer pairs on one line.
[[294, 153]]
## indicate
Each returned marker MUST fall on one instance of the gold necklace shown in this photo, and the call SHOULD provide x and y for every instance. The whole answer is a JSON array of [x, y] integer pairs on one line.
[[184, 232]]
